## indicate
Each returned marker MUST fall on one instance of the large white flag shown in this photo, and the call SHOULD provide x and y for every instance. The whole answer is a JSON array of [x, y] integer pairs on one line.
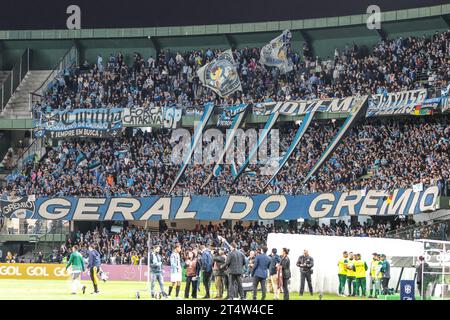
[[220, 75], [274, 54]]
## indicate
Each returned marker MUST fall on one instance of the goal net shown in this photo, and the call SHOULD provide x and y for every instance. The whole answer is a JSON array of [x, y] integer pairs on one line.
[[434, 281]]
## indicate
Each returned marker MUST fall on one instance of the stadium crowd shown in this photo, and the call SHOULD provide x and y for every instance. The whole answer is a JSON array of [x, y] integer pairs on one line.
[[231, 257], [130, 244], [171, 78], [377, 154]]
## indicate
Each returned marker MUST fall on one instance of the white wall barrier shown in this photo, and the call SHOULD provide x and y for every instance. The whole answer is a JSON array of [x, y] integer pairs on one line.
[[327, 250]]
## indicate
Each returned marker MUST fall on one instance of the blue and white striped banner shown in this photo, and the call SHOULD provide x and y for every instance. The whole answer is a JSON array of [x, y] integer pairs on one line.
[[298, 136], [207, 113], [359, 110], [262, 137]]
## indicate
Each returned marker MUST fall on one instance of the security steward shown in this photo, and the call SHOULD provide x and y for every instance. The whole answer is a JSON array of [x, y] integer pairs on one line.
[[342, 272], [360, 274], [351, 274]]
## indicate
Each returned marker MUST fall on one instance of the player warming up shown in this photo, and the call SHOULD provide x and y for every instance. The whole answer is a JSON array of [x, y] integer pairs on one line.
[[77, 263]]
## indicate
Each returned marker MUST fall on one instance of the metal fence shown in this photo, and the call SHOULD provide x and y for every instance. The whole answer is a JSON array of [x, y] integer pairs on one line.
[[435, 230], [18, 72], [67, 62]]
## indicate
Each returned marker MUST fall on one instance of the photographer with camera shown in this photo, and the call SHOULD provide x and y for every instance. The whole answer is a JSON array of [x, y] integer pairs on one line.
[[305, 263], [385, 270]]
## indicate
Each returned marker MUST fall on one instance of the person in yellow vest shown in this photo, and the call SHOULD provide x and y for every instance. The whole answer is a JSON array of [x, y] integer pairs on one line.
[[379, 276], [375, 280], [342, 272], [134, 259], [360, 274], [350, 273]]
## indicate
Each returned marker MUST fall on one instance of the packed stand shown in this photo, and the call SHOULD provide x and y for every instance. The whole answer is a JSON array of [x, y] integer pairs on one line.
[[171, 77], [377, 154]]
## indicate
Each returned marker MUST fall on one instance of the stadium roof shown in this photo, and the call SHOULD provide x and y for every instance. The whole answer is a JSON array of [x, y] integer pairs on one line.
[[47, 14]]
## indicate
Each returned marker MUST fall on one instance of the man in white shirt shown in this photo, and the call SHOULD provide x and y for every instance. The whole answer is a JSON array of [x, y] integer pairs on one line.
[[175, 270]]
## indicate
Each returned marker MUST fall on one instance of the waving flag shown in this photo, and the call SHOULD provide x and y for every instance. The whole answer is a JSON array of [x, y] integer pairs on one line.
[[389, 197], [274, 54], [94, 165], [220, 75], [81, 159], [17, 207]]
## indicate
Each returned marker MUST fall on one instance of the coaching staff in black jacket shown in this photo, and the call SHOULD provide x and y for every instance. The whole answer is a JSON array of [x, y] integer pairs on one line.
[[235, 266]]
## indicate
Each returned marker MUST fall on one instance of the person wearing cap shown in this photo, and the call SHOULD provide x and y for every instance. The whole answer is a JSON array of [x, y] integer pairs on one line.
[[385, 271], [305, 263], [350, 274], [375, 280], [360, 275], [342, 272]]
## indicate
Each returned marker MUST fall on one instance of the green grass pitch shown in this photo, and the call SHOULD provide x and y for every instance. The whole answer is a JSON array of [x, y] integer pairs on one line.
[[111, 290]]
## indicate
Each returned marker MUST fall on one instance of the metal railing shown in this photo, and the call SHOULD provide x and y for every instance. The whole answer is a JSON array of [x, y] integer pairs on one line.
[[69, 60], [40, 228], [18, 72], [35, 148], [432, 230]]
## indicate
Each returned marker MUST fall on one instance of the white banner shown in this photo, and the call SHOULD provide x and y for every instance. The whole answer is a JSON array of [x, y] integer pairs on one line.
[[418, 187], [164, 117], [396, 102], [297, 108]]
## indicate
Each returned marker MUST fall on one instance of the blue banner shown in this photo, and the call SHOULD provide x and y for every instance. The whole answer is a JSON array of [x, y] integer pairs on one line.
[[78, 123], [407, 290], [225, 119], [258, 207], [383, 104], [403, 102]]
